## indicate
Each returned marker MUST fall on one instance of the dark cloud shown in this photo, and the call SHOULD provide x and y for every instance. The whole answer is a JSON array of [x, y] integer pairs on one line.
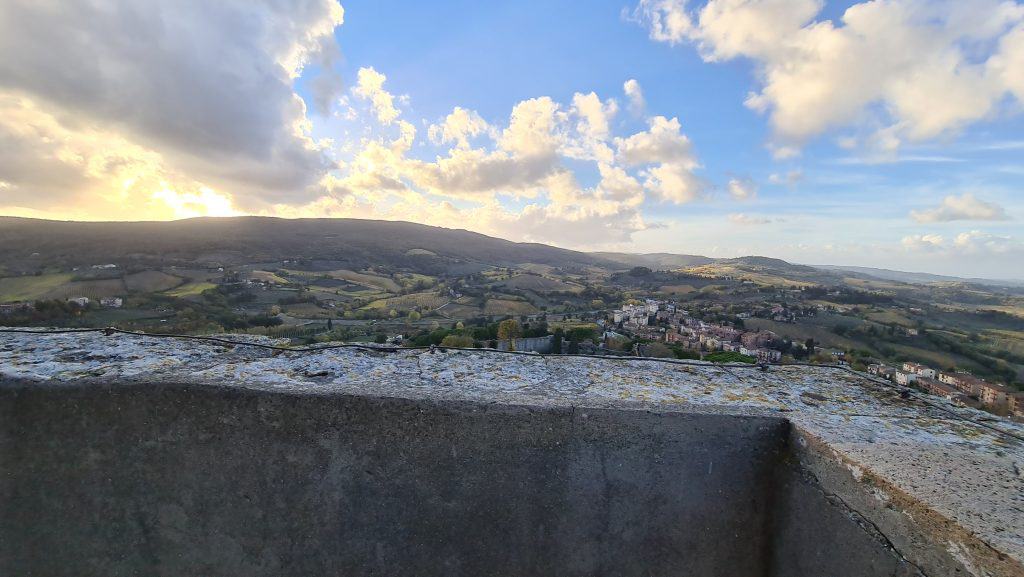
[[207, 85]]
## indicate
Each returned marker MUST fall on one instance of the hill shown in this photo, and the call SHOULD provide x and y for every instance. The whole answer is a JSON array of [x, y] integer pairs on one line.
[[656, 260], [766, 270], [27, 245], [919, 277]]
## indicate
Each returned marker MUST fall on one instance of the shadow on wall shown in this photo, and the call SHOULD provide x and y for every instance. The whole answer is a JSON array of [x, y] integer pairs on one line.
[[190, 480]]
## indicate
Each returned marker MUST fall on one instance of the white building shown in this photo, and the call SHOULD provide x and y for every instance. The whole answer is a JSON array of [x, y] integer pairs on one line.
[[905, 378], [919, 369]]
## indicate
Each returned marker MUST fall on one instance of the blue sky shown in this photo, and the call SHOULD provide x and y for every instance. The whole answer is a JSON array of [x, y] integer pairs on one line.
[[876, 134], [487, 58]]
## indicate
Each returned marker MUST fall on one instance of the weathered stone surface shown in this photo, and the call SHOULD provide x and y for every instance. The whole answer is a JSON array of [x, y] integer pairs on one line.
[[944, 493]]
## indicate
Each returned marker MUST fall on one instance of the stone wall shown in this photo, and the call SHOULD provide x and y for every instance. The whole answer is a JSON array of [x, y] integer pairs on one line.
[[178, 480]]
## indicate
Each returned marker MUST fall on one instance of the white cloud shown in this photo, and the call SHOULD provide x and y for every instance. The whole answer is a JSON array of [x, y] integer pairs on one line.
[[918, 69], [974, 242], [742, 189], [119, 135], [745, 220], [635, 94], [478, 173], [663, 142], [525, 159], [663, 145], [534, 128], [964, 207], [923, 242], [593, 118], [594, 115], [673, 183], [792, 177], [616, 184], [370, 86], [666, 20], [458, 127]]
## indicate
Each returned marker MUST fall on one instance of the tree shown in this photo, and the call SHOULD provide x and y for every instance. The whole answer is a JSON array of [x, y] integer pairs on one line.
[[509, 330], [414, 316], [457, 341], [556, 341], [658, 350], [729, 357]]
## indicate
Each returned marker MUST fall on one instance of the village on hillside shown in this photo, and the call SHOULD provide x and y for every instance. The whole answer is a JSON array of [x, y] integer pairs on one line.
[[929, 337], [667, 323]]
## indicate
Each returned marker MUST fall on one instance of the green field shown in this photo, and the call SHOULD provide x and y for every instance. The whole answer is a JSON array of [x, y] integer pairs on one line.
[[678, 289], [419, 252], [428, 300], [822, 335], [364, 279], [27, 288], [306, 311], [267, 276], [190, 289], [540, 284], [151, 281], [496, 307], [459, 311], [93, 289]]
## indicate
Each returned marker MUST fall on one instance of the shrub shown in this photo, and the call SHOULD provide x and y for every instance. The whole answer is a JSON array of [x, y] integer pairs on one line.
[[459, 341], [729, 357]]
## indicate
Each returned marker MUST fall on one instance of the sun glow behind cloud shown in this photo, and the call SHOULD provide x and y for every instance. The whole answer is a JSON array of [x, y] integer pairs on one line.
[[204, 203]]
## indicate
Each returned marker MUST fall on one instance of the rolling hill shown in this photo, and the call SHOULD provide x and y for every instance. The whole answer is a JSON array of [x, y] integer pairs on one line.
[[27, 245], [919, 277], [655, 260], [764, 270]]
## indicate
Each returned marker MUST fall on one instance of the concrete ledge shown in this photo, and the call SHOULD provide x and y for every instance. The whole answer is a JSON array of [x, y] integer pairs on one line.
[[885, 484]]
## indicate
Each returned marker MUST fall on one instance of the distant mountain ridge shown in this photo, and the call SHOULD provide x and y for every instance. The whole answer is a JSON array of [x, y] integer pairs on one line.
[[655, 260], [353, 242], [26, 244], [918, 277]]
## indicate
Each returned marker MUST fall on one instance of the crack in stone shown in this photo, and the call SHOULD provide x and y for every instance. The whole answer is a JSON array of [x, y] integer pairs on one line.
[[870, 526]]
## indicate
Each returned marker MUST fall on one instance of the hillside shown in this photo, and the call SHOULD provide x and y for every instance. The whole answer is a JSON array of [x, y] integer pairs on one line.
[[918, 277], [655, 261], [26, 245], [766, 270]]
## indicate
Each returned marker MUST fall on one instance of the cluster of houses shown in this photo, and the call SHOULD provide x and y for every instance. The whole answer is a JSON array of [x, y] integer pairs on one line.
[[664, 321], [105, 302], [959, 387], [81, 302], [13, 308]]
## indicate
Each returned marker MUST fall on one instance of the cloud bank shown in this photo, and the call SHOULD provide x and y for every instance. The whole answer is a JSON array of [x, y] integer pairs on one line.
[[887, 72]]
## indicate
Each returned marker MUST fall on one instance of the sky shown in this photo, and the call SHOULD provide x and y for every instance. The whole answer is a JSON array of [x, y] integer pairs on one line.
[[885, 133]]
